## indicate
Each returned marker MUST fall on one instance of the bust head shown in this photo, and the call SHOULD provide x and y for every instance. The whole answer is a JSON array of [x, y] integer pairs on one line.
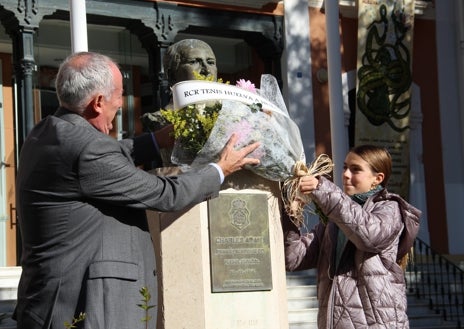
[[186, 56]]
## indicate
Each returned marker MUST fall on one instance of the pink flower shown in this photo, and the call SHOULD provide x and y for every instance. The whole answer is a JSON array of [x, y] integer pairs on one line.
[[243, 129], [247, 85]]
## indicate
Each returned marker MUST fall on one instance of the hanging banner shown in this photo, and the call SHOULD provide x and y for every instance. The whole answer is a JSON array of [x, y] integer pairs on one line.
[[384, 78]]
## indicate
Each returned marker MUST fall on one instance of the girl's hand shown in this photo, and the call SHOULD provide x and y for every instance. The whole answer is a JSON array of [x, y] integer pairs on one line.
[[308, 184]]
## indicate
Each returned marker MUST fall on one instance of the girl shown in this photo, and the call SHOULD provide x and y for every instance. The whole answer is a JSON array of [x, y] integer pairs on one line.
[[364, 233]]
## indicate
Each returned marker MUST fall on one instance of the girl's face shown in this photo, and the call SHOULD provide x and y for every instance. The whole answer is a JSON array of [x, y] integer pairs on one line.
[[357, 175]]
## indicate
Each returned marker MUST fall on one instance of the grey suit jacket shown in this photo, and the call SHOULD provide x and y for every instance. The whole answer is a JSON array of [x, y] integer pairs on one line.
[[81, 204]]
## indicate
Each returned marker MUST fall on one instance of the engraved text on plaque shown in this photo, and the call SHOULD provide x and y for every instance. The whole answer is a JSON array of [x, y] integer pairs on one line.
[[239, 242]]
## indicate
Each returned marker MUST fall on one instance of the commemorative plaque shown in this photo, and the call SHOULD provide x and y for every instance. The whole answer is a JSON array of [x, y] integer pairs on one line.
[[239, 242]]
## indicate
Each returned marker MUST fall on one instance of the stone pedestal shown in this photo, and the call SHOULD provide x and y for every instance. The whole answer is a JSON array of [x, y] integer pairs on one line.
[[243, 256]]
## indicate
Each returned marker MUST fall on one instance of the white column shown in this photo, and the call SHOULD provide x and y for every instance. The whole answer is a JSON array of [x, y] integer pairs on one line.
[[450, 121], [78, 21], [296, 61], [337, 126], [417, 195], [348, 84]]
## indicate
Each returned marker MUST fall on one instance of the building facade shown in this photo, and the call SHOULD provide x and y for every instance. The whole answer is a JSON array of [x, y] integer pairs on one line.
[[285, 38]]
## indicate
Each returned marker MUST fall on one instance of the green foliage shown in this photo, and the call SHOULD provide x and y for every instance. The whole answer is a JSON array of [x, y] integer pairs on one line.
[[193, 124], [199, 76], [75, 321], [146, 296], [256, 107]]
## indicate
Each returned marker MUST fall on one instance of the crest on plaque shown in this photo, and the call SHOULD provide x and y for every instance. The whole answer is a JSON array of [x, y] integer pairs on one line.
[[239, 214]]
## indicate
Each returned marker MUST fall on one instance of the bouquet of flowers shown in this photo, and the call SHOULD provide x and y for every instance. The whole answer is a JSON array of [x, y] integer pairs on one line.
[[192, 126], [207, 113]]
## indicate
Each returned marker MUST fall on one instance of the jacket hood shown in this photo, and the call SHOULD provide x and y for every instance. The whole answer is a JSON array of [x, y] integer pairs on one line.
[[411, 220]]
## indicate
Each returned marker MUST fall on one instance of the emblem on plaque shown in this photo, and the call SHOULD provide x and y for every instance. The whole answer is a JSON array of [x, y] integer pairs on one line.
[[239, 214]]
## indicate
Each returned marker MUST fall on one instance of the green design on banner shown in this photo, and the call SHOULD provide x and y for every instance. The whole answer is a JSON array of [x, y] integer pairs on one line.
[[384, 79]]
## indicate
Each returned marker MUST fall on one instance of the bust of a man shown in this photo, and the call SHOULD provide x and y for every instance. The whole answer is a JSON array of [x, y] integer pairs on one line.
[[179, 62], [186, 56]]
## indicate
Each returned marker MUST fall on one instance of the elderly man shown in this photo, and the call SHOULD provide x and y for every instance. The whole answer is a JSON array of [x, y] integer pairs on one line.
[[81, 204]]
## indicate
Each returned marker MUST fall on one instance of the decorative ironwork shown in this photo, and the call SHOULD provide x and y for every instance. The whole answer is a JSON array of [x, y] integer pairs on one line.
[[437, 281], [164, 24], [29, 8]]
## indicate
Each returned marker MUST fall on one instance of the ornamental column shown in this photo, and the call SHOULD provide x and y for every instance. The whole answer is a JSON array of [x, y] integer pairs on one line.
[[24, 68], [21, 24]]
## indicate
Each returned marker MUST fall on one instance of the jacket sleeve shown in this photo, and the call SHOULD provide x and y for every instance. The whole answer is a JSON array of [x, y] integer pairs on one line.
[[371, 228], [301, 250], [106, 174]]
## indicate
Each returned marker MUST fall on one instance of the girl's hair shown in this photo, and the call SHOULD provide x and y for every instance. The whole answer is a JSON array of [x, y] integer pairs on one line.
[[81, 76], [378, 158]]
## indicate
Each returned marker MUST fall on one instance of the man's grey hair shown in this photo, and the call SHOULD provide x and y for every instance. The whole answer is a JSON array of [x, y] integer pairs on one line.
[[81, 77]]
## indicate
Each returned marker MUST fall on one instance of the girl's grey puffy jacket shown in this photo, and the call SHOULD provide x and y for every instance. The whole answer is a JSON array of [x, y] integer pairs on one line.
[[367, 288]]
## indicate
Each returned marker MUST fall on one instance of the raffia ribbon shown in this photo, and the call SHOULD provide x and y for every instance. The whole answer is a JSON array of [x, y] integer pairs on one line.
[[295, 201]]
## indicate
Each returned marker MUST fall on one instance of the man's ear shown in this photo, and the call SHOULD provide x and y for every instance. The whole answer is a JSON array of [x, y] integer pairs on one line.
[[94, 108], [97, 103]]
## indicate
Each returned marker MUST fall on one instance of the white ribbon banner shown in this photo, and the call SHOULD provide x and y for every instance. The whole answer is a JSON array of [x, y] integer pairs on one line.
[[198, 91]]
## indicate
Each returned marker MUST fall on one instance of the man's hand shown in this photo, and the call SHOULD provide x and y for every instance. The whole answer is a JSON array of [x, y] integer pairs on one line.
[[232, 160]]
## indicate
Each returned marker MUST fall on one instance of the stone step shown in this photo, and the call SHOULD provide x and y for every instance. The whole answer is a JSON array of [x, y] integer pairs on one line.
[[6, 311], [7, 306], [439, 302], [303, 315], [434, 283], [302, 303], [427, 320], [417, 306], [301, 280], [9, 279], [301, 291], [302, 325], [8, 324], [295, 303]]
